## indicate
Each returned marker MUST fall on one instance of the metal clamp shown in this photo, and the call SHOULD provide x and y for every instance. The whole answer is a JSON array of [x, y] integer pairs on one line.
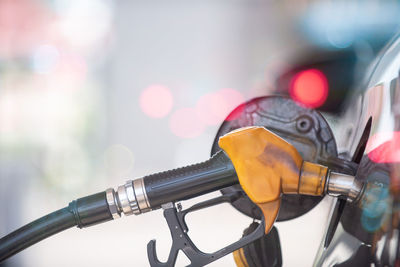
[[141, 196], [130, 198], [112, 203]]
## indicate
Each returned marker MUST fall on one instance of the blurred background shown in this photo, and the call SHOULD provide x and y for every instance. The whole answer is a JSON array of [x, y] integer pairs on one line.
[[95, 92]]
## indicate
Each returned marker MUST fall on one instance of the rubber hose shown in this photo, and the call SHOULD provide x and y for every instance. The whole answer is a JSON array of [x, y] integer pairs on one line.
[[83, 212], [36, 231]]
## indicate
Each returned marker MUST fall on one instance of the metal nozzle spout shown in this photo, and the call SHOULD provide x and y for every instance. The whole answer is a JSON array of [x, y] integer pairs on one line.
[[343, 185]]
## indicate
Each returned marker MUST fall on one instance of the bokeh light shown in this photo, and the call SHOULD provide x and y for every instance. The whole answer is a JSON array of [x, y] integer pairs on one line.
[[156, 101], [384, 147], [83, 23], [184, 123], [71, 69], [23, 24], [66, 165], [309, 88], [375, 204], [378, 139], [344, 23], [119, 160], [45, 58], [209, 108], [232, 99], [213, 108]]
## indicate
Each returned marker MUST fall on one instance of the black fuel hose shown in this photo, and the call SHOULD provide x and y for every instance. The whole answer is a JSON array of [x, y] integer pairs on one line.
[[82, 212], [160, 188]]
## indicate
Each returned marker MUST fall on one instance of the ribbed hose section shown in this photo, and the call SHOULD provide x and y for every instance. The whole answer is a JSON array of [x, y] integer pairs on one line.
[[191, 181]]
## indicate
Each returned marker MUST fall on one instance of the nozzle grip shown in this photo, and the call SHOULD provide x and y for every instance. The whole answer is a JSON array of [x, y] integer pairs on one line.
[[191, 181]]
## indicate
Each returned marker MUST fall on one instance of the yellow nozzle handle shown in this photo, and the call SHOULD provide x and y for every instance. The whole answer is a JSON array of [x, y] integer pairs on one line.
[[268, 166], [240, 258]]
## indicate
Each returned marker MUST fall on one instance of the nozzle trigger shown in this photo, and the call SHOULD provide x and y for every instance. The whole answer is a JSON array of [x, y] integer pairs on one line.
[[181, 241]]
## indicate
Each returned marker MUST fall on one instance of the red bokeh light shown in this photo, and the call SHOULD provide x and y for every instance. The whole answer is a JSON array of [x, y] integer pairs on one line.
[[310, 88], [213, 108], [209, 109], [23, 25], [384, 148], [233, 98], [184, 123], [72, 65], [156, 101]]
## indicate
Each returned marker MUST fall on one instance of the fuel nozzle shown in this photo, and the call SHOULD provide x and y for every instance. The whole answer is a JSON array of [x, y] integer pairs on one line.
[[265, 165], [268, 166]]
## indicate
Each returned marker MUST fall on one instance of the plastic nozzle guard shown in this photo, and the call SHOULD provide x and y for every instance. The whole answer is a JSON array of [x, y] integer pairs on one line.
[[267, 167]]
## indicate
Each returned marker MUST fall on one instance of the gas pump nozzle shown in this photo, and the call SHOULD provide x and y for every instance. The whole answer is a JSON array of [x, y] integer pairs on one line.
[[265, 166]]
